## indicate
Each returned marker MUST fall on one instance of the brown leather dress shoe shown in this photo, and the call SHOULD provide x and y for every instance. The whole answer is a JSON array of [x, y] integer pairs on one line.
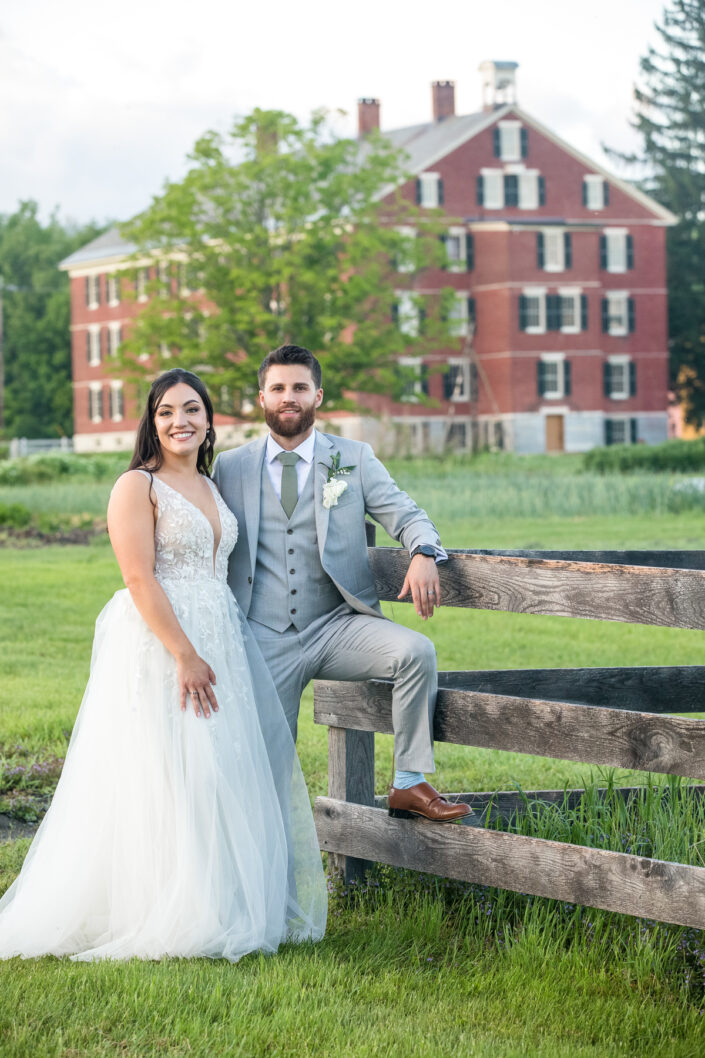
[[423, 800]]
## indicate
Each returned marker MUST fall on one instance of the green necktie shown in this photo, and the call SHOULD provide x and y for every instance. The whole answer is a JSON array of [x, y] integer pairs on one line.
[[290, 481]]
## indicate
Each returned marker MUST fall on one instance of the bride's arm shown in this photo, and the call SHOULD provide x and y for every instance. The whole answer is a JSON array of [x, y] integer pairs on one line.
[[131, 528]]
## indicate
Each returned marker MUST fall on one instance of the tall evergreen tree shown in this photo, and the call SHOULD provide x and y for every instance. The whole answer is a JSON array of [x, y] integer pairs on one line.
[[670, 105], [36, 322]]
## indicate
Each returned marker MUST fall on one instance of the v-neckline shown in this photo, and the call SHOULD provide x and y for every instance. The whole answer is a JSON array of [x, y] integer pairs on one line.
[[216, 546]]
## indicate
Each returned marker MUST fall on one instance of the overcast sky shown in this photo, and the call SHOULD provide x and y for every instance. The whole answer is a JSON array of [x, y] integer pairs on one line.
[[100, 103]]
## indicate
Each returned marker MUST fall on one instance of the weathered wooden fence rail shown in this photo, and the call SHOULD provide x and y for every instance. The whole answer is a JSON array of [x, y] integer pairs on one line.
[[607, 716]]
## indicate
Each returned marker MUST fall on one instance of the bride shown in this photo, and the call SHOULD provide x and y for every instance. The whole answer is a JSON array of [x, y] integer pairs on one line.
[[181, 824]]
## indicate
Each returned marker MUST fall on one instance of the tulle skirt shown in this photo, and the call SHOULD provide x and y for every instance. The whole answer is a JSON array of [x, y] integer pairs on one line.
[[170, 834]]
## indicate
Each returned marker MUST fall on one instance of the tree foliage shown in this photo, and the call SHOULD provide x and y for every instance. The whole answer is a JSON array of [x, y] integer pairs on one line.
[[36, 321], [670, 118], [281, 232]]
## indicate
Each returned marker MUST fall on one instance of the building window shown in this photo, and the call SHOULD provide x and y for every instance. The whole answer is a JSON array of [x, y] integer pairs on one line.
[[530, 184], [406, 313], [164, 277], [114, 338], [141, 283], [93, 346], [595, 191], [490, 189], [429, 190], [456, 250], [461, 312], [117, 403], [618, 314], [510, 141], [405, 257], [92, 291], [616, 250], [553, 376], [455, 381], [619, 377], [621, 431], [456, 437], [570, 308], [554, 250], [415, 379], [532, 310], [113, 290], [95, 402]]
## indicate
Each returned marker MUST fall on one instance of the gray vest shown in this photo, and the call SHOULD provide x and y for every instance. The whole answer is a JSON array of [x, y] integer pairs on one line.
[[290, 585]]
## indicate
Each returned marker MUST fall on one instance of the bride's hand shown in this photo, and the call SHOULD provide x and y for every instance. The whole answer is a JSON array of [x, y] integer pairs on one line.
[[196, 678]]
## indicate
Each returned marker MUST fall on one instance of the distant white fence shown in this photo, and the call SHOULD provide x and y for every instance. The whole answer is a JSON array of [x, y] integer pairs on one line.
[[27, 446]]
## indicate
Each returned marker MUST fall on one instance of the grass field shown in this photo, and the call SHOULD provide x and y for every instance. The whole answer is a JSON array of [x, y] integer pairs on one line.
[[410, 966]]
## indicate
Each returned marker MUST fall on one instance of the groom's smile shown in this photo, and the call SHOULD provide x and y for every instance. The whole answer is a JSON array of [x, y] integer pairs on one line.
[[289, 400]]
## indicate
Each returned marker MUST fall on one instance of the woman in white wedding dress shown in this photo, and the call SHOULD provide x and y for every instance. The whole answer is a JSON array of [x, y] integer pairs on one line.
[[181, 824]]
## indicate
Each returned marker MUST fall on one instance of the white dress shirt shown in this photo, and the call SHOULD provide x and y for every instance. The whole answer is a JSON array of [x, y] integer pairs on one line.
[[303, 467]]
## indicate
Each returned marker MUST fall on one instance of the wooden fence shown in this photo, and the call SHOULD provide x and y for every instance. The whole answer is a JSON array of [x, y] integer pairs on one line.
[[606, 716]]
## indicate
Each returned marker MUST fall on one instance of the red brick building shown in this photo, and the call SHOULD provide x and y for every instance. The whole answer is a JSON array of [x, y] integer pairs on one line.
[[559, 273]]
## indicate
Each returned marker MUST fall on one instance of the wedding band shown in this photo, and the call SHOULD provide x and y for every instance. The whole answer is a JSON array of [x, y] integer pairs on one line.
[[431, 592], [194, 694]]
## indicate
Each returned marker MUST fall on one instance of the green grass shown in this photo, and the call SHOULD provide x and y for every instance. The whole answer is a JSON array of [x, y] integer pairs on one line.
[[410, 965]]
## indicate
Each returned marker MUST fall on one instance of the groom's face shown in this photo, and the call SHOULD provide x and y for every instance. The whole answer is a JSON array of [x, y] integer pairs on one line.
[[289, 400]]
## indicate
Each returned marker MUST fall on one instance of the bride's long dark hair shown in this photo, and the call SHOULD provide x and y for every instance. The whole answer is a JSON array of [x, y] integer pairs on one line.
[[147, 454]]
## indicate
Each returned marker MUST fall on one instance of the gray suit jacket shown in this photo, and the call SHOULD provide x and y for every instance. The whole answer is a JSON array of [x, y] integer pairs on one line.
[[342, 543]]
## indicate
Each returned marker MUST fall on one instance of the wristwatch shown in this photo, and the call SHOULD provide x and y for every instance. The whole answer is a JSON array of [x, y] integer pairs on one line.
[[424, 549]]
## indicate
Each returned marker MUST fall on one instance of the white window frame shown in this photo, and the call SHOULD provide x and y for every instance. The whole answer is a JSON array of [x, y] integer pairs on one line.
[[406, 257], [573, 293], [429, 197], [622, 361], [116, 393], [528, 188], [540, 294], [559, 360], [461, 264], [492, 188], [142, 280], [163, 277], [458, 318], [616, 249], [463, 391], [113, 338], [93, 291], [557, 237], [113, 290], [618, 303], [417, 391], [94, 340], [595, 193], [95, 390], [407, 314], [509, 141]]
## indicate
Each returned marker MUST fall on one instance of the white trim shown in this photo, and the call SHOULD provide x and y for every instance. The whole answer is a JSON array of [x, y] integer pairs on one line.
[[116, 391], [573, 292], [511, 125], [461, 265], [96, 388], [559, 393], [429, 184], [540, 294], [617, 330], [93, 330]]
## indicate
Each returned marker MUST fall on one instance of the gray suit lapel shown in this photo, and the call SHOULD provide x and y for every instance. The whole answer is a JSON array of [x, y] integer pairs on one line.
[[251, 494], [321, 458]]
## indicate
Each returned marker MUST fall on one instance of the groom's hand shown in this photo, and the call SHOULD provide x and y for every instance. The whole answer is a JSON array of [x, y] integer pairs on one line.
[[423, 583]]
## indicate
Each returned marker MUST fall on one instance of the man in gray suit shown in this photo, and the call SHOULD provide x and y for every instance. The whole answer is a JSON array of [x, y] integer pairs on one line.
[[301, 575]]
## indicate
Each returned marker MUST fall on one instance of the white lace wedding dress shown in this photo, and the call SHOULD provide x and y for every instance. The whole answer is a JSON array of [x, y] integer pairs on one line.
[[170, 834]]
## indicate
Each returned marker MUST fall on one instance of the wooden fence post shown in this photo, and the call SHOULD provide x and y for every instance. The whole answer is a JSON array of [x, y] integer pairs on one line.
[[351, 777]]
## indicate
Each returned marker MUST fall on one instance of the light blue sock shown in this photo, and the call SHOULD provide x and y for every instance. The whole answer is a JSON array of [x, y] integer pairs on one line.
[[404, 779]]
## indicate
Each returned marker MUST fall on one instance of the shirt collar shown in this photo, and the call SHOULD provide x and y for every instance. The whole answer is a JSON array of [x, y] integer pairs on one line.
[[304, 450]]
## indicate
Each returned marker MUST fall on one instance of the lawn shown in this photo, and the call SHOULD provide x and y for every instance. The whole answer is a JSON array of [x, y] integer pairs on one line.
[[410, 966]]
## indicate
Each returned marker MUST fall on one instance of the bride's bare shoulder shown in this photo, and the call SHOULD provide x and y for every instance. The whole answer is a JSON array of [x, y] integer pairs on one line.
[[133, 485]]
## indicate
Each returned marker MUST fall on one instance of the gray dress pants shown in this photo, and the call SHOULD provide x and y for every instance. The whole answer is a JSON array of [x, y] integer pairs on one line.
[[346, 645]]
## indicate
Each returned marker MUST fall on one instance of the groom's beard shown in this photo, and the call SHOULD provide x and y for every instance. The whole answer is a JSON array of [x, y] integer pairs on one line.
[[290, 426]]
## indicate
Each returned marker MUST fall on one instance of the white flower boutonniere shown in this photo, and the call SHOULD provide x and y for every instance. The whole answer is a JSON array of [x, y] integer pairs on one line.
[[334, 488]]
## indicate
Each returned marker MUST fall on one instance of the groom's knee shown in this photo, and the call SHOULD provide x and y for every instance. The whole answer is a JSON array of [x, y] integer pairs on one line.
[[418, 656]]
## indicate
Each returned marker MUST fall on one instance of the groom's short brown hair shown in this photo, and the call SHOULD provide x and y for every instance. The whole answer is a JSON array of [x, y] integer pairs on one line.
[[291, 354]]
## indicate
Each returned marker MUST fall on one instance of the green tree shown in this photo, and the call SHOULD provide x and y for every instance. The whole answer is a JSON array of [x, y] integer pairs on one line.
[[277, 234], [670, 118], [36, 322]]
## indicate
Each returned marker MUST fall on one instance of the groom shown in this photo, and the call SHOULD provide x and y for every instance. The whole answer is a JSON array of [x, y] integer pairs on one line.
[[301, 575]]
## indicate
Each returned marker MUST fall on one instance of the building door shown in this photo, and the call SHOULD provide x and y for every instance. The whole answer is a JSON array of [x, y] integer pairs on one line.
[[554, 433]]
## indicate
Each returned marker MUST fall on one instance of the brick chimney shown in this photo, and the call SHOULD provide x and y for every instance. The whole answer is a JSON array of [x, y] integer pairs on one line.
[[443, 94], [367, 116]]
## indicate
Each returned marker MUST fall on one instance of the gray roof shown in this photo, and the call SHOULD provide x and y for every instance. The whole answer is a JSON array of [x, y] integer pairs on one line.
[[109, 244], [425, 144]]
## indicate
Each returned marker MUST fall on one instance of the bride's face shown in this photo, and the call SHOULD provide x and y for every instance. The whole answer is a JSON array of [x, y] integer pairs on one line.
[[181, 421]]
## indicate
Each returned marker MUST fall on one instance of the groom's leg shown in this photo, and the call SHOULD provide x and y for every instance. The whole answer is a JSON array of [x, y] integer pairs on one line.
[[357, 647], [283, 654]]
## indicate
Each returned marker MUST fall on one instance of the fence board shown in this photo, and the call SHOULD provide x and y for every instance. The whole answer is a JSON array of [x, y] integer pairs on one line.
[[615, 881], [689, 559], [589, 734], [594, 590]]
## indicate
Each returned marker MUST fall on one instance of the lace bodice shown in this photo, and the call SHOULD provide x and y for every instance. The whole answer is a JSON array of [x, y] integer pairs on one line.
[[183, 536]]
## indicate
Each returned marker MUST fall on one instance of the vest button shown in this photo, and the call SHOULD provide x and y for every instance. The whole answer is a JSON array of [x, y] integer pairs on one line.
[[292, 571], [293, 611], [289, 532], [249, 580], [290, 551], [293, 591]]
